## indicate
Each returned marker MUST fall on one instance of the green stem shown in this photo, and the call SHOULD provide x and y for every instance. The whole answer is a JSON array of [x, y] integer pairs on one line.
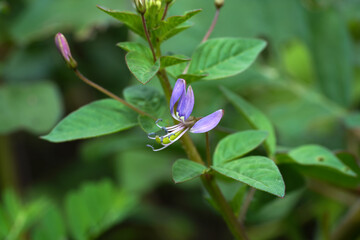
[[225, 209], [207, 179], [110, 94], [246, 205], [148, 36]]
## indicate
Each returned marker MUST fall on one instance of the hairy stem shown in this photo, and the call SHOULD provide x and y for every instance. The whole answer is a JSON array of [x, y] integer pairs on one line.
[[110, 94], [212, 26], [148, 36], [165, 11]]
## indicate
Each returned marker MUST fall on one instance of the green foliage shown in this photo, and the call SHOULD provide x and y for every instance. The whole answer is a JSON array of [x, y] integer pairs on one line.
[[143, 67], [237, 145], [172, 25], [167, 61], [35, 107], [184, 170], [330, 32], [95, 208], [258, 172], [50, 226], [255, 118], [352, 121], [151, 101], [16, 218], [95, 119], [131, 20], [225, 57], [135, 47], [320, 156]]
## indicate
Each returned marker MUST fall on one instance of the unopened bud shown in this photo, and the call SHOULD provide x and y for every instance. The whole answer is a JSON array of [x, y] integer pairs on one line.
[[219, 3], [63, 47], [140, 6]]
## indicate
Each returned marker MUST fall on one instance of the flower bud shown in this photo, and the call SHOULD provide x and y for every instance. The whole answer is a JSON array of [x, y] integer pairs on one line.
[[219, 3], [63, 47], [140, 6]]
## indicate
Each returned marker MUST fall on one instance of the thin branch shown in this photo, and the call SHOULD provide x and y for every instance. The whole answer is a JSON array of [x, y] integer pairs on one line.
[[165, 11], [208, 156], [148, 36], [110, 94], [212, 26], [349, 224], [246, 204]]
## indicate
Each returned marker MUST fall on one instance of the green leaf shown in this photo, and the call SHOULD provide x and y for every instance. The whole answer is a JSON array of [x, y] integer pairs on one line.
[[184, 170], [141, 66], [319, 156], [95, 119], [255, 118], [225, 57], [95, 208], [191, 77], [237, 145], [131, 20], [170, 26], [167, 61], [135, 47], [333, 55], [146, 98], [50, 226], [33, 107], [256, 171]]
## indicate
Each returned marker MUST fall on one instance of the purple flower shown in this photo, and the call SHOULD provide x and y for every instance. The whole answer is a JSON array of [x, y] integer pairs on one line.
[[64, 49], [185, 104]]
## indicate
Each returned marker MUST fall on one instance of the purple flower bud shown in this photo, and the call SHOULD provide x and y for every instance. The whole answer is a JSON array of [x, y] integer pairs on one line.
[[63, 47]]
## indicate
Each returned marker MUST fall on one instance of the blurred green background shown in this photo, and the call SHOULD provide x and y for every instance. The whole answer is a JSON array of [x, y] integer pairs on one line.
[[307, 81]]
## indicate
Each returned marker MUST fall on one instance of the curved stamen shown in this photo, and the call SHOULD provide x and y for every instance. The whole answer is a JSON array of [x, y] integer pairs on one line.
[[171, 141]]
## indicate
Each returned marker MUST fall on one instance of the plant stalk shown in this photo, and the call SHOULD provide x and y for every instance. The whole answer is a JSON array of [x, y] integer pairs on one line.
[[148, 36], [110, 94], [212, 26], [225, 209]]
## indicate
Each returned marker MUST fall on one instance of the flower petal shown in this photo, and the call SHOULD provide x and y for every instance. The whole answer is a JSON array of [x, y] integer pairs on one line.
[[207, 123], [178, 90], [186, 104]]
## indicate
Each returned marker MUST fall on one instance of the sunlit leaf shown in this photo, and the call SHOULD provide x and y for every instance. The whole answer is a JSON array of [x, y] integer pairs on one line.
[[319, 156], [225, 57], [167, 61], [169, 27], [142, 66], [256, 171], [238, 144], [95, 119], [131, 20]]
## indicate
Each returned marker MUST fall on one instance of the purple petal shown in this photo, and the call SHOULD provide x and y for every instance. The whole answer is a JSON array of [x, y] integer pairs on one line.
[[207, 123], [186, 104], [63, 46], [178, 90]]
